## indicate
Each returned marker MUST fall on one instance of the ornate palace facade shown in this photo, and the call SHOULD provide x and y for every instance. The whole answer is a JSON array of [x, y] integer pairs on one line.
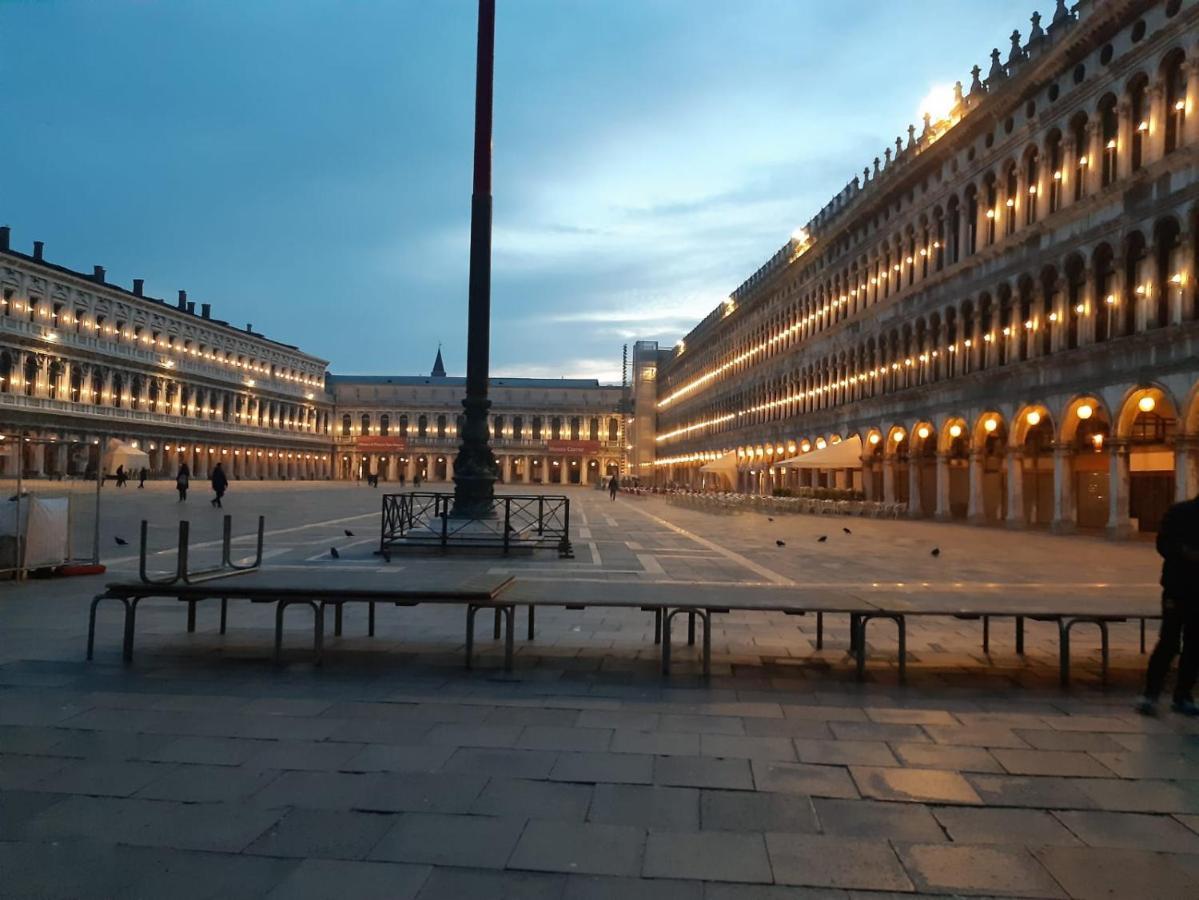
[[84, 363], [86, 366], [544, 430], [1000, 312]]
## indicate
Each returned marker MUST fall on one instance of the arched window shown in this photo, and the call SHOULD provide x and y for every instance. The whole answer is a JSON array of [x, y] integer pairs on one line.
[[53, 375], [441, 423], [556, 428], [1078, 131], [365, 424], [226, 409], [384, 425], [77, 385], [574, 428], [1109, 138], [346, 425], [404, 425], [422, 426], [593, 430], [1175, 75], [1138, 102], [97, 387], [518, 427], [1053, 156], [498, 427], [1032, 177], [135, 392], [1011, 191], [613, 430], [118, 385], [536, 428]]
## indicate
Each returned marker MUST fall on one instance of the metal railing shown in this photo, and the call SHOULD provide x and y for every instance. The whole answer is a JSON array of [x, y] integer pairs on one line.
[[225, 568], [518, 522]]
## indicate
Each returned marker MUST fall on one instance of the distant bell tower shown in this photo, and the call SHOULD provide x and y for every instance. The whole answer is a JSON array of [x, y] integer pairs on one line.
[[438, 366]]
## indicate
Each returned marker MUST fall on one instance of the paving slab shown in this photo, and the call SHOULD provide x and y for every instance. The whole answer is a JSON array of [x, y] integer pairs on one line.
[[802, 778], [623, 768], [978, 870], [325, 879], [745, 747], [478, 842], [659, 743], [479, 760], [667, 808], [378, 791], [456, 884], [746, 811], [1130, 831], [314, 756], [844, 753], [703, 772], [943, 756], [153, 823], [602, 887], [913, 785], [1031, 792], [407, 758], [986, 825], [839, 862], [1089, 873], [877, 819], [207, 784], [523, 798], [1050, 762], [556, 737], [707, 856], [579, 848], [322, 834]]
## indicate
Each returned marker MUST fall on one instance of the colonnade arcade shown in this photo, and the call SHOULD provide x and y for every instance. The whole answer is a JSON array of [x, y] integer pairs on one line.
[[522, 468], [1112, 459]]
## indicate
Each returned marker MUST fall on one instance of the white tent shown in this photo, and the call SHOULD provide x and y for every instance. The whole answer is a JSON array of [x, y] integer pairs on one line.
[[723, 466], [844, 455], [120, 453]]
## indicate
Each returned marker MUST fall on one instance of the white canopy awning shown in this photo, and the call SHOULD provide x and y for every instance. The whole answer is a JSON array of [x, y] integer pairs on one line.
[[722, 465], [120, 453], [844, 455]]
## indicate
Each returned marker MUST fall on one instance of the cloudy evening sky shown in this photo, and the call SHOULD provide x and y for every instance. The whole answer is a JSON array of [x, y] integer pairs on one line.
[[305, 165]]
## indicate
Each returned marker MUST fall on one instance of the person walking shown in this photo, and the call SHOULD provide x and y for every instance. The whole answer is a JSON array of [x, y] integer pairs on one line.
[[613, 486], [1178, 544], [219, 483], [141, 477], [182, 480], [121, 476], [401, 478]]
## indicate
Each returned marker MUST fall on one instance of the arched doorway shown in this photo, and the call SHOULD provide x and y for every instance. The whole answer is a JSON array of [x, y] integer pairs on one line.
[[1148, 425]]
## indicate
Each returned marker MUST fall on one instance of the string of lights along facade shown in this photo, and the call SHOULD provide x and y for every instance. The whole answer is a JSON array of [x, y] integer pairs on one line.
[[86, 365], [1000, 312], [543, 430]]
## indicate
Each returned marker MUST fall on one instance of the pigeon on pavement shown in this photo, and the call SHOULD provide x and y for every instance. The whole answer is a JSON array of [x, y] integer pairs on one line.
[[349, 533], [822, 539], [936, 551], [781, 543], [121, 542], [333, 552], [847, 531]]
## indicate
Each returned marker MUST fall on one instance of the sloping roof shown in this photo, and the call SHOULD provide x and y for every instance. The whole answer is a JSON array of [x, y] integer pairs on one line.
[[459, 381], [846, 454]]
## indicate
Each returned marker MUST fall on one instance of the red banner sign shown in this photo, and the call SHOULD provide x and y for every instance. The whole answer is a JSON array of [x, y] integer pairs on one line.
[[377, 443], [573, 447]]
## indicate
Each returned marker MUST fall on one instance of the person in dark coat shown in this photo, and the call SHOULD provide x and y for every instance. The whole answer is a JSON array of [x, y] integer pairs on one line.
[[1178, 544], [121, 476], [613, 486], [141, 477], [182, 480], [219, 483]]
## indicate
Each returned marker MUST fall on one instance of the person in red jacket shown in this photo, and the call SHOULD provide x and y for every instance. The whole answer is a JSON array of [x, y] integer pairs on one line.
[[1178, 544]]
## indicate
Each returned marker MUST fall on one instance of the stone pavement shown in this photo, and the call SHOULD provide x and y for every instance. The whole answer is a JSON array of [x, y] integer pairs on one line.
[[204, 771]]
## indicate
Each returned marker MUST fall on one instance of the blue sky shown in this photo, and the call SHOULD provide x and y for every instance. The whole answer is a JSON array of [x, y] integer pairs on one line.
[[305, 165]]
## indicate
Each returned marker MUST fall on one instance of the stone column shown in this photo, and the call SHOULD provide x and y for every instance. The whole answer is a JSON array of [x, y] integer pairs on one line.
[[889, 464], [1124, 134], [1153, 144], [943, 512], [976, 510], [1015, 488], [867, 477], [1118, 523], [915, 472], [1186, 467]]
